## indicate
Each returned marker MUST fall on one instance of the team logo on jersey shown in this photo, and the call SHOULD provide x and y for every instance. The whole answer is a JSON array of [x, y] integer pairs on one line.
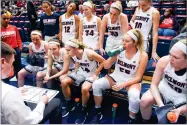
[[134, 61], [85, 60], [117, 23], [148, 14]]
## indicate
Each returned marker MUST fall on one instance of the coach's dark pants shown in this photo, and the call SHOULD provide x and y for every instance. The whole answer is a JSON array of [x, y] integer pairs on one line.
[[17, 62], [52, 112]]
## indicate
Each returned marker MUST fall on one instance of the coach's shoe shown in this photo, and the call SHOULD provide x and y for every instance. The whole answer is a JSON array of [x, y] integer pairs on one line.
[[97, 117], [70, 107], [82, 116]]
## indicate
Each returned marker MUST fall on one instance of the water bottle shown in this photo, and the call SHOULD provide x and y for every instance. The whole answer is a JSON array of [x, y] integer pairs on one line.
[[115, 51], [114, 107]]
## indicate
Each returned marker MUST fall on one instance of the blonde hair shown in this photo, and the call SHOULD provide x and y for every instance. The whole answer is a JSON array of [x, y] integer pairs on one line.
[[117, 5], [140, 42]]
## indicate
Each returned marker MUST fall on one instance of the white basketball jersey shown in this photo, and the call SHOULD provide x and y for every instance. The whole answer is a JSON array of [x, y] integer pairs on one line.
[[173, 81], [114, 30], [60, 59], [87, 66], [144, 21], [90, 32], [125, 69], [68, 28], [40, 51]]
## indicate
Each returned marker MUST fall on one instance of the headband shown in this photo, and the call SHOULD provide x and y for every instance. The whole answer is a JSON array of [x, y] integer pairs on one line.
[[134, 37], [181, 46], [116, 5], [52, 42], [72, 44], [36, 33], [87, 4]]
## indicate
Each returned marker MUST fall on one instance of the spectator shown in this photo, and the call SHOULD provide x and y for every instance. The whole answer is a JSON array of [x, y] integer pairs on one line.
[[13, 108], [11, 36], [168, 24]]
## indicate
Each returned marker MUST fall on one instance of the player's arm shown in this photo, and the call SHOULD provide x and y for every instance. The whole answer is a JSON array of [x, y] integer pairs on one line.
[[60, 28], [102, 32], [77, 23], [157, 76], [81, 30], [124, 23], [94, 56], [99, 30], [156, 19]]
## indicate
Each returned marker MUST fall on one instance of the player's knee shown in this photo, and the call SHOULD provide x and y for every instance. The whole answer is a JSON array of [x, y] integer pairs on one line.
[[145, 102], [21, 74], [134, 100], [100, 85], [97, 88], [85, 90], [65, 82], [39, 76]]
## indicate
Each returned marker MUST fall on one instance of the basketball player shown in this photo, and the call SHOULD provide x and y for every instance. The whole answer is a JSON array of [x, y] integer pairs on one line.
[[37, 47], [117, 24], [86, 70], [59, 63], [89, 27], [147, 19], [69, 24], [169, 82], [129, 68]]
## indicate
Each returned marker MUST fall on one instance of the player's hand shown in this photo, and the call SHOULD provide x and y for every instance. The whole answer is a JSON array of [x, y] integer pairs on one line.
[[155, 56], [46, 79], [117, 87], [102, 51]]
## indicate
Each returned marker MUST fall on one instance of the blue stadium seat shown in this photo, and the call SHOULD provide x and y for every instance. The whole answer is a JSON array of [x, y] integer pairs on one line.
[[167, 5], [163, 45], [180, 4], [180, 17], [180, 11], [128, 11]]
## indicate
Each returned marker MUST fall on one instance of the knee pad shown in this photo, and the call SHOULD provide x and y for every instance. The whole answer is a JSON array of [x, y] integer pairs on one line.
[[100, 85], [134, 100]]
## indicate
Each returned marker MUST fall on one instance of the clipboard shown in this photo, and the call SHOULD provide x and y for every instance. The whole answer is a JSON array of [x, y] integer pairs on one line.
[[33, 94]]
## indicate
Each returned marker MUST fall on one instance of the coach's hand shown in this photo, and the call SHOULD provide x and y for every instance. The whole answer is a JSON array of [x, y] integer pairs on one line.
[[155, 56]]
